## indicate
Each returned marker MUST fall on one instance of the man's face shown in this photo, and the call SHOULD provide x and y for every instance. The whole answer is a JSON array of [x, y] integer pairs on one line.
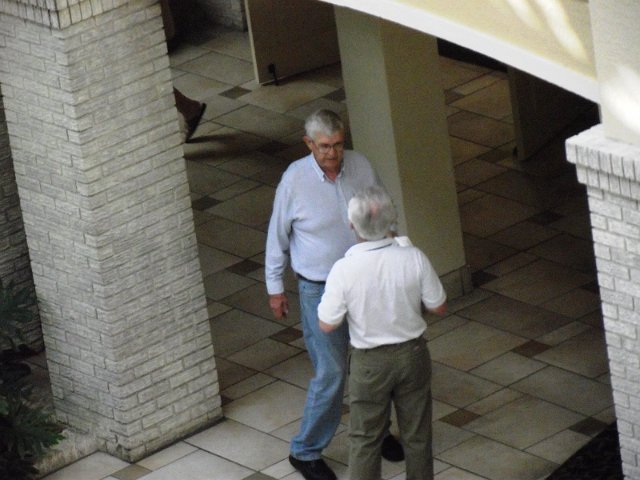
[[328, 150]]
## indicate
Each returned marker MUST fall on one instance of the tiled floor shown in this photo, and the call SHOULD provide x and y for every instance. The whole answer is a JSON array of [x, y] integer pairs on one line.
[[520, 369]]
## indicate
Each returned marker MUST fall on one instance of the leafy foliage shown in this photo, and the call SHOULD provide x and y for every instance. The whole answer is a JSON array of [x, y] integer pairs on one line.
[[26, 430]]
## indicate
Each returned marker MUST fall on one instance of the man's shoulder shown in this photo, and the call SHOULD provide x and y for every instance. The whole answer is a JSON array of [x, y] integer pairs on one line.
[[297, 167]]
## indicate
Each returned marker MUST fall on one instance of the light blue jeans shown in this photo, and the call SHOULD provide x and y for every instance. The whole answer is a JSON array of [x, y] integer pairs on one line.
[[328, 352]]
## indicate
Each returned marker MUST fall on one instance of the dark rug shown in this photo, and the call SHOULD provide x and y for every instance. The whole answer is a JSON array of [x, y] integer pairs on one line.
[[597, 460]]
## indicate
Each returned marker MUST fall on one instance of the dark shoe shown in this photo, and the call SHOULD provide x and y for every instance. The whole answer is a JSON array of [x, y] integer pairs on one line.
[[391, 449], [192, 124], [313, 469]]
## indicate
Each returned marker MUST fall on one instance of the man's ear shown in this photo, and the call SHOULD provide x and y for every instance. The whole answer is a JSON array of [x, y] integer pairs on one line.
[[308, 141]]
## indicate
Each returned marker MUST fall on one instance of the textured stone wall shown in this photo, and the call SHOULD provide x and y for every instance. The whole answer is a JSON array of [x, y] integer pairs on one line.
[[611, 171], [14, 254], [107, 213]]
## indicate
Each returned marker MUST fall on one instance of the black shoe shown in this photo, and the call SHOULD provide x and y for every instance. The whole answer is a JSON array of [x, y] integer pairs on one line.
[[313, 469], [391, 449]]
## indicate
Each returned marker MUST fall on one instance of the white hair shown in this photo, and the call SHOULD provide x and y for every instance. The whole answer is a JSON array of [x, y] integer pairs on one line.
[[372, 213], [324, 122]]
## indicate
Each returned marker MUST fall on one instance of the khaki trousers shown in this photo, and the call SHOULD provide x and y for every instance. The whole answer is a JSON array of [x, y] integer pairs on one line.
[[400, 373]]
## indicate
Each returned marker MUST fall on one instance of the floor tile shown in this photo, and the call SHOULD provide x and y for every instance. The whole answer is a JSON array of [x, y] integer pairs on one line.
[[251, 208], [457, 474], [499, 312], [494, 401], [490, 214], [232, 43], [213, 260], [224, 283], [481, 252], [166, 456], [508, 368], [264, 450], [286, 96], [236, 330], [198, 466], [259, 121], [538, 282], [459, 388], [220, 144], [254, 300], [94, 467], [268, 408], [472, 345], [206, 180], [297, 371], [476, 171], [446, 436], [232, 238], [524, 422], [494, 100], [570, 354], [223, 68], [247, 386], [496, 461], [481, 130], [523, 235], [567, 389], [559, 447], [567, 250], [264, 354]]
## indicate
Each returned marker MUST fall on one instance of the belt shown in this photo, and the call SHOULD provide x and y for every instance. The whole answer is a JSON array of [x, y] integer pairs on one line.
[[317, 282]]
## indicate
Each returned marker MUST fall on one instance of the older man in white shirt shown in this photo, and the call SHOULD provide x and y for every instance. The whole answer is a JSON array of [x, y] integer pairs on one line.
[[380, 288]]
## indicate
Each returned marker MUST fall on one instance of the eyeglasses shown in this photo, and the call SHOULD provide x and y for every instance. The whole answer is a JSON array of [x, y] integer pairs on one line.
[[326, 147]]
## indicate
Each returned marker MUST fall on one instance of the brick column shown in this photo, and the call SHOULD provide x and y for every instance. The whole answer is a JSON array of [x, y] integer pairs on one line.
[[611, 171], [107, 214], [14, 254]]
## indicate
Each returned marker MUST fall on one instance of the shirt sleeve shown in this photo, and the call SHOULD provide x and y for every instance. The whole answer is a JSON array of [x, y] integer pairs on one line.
[[433, 294], [277, 249], [333, 307]]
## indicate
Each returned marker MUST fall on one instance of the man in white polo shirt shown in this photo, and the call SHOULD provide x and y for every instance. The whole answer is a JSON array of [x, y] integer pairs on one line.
[[380, 287]]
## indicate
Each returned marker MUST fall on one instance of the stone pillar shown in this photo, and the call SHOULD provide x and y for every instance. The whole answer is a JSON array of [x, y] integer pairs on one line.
[[398, 120], [107, 213], [611, 171], [14, 254]]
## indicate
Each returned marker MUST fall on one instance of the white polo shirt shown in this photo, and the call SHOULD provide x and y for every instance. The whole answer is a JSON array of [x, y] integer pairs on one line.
[[379, 287]]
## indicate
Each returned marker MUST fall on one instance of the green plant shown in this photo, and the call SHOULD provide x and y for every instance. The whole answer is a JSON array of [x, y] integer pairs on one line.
[[26, 430]]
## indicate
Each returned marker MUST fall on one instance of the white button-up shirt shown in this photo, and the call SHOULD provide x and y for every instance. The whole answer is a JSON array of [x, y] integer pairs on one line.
[[379, 286], [309, 222]]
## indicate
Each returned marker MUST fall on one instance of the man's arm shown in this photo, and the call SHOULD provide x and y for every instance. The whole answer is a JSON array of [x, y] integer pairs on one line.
[[279, 305], [440, 310], [277, 254], [327, 327]]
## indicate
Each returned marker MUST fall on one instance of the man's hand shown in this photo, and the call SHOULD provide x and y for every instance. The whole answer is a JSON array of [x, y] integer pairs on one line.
[[279, 305]]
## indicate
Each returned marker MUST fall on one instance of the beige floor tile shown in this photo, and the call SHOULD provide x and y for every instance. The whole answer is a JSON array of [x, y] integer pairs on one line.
[[538, 282], [248, 164], [232, 43], [524, 235], [567, 389], [268, 408], [476, 171], [221, 144], [264, 354], [500, 312], [476, 84], [574, 304], [255, 300], [524, 422], [217, 105], [496, 461], [297, 370], [223, 68], [198, 466], [454, 73], [260, 121], [205, 179], [234, 190], [508, 368], [247, 386], [463, 150], [198, 87], [494, 100], [446, 436], [490, 214], [167, 455], [559, 447], [570, 330], [94, 467], [444, 325], [329, 75], [303, 111], [249, 447], [570, 354], [466, 195], [494, 401], [236, 330], [232, 238], [230, 373], [213, 260], [567, 250], [251, 208], [441, 409], [472, 345], [510, 264], [224, 283], [459, 388], [482, 253], [454, 473], [286, 96], [479, 129], [518, 187]]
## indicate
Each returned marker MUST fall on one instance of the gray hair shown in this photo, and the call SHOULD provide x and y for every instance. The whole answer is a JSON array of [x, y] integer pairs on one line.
[[325, 122], [372, 213]]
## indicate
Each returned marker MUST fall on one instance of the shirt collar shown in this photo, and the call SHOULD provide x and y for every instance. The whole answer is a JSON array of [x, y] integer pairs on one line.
[[369, 246], [321, 175]]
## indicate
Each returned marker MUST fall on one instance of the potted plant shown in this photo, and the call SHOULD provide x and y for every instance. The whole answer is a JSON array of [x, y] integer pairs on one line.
[[26, 430]]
